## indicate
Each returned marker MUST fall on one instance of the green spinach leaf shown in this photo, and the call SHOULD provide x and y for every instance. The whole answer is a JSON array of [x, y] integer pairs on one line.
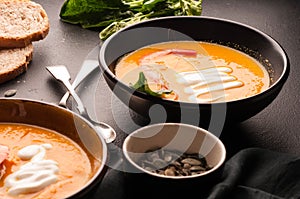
[[113, 15]]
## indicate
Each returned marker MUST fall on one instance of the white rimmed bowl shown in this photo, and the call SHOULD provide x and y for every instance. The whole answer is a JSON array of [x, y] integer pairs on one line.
[[183, 138]]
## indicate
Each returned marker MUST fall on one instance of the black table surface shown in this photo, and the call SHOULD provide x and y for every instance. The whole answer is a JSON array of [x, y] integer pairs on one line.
[[275, 128]]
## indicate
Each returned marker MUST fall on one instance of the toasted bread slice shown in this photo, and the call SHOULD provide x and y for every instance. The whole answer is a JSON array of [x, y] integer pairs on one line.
[[14, 62], [21, 23]]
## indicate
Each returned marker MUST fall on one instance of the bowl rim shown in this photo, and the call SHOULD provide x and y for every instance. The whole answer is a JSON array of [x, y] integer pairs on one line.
[[102, 168], [199, 129], [105, 69]]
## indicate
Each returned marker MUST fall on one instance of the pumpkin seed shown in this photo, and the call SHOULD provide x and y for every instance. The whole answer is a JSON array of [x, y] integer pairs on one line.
[[172, 163], [10, 93]]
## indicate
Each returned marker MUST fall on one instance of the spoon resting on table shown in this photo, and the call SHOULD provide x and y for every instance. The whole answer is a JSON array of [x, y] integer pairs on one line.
[[61, 74]]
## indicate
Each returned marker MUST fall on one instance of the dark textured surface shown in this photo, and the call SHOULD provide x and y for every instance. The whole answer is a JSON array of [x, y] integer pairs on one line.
[[276, 127]]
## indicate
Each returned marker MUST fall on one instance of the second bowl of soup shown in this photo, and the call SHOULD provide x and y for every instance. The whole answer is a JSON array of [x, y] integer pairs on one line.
[[199, 70], [48, 152]]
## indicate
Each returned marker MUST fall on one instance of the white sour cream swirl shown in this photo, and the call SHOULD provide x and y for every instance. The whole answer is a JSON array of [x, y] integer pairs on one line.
[[35, 175]]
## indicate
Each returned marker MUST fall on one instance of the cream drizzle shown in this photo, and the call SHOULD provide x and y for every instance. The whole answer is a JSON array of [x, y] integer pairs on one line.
[[34, 175], [208, 80]]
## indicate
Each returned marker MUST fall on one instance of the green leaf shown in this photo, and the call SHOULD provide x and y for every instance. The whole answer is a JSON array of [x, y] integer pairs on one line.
[[113, 15], [118, 25], [91, 12], [142, 85]]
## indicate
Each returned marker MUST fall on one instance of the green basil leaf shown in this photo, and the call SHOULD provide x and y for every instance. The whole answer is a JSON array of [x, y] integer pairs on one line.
[[143, 86]]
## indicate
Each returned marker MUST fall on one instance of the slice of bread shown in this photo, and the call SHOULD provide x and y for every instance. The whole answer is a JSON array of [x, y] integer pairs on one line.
[[14, 62], [21, 23]]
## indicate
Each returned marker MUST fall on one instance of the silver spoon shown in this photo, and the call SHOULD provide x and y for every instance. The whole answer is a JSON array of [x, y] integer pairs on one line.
[[87, 68], [61, 73]]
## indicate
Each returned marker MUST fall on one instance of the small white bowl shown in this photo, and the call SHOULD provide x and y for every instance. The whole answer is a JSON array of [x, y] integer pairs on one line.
[[180, 137]]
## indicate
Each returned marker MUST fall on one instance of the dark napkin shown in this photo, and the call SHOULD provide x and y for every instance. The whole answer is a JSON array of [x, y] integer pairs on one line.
[[252, 173], [259, 174]]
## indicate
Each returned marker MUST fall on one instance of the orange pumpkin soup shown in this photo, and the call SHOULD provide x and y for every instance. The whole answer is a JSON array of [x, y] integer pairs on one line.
[[192, 71], [40, 163]]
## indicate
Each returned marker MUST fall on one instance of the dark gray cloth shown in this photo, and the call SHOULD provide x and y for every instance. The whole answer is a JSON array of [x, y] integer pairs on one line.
[[259, 174]]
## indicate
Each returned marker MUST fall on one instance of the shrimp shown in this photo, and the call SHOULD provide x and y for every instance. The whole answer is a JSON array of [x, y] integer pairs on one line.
[[3, 155]]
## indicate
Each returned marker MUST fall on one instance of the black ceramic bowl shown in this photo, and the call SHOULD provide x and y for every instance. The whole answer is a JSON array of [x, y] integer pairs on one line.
[[67, 123], [245, 38]]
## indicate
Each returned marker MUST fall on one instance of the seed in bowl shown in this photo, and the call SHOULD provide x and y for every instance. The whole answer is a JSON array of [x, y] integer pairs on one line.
[[174, 163]]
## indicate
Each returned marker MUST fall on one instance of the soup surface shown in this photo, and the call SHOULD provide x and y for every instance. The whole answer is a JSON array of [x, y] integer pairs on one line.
[[192, 71], [40, 163]]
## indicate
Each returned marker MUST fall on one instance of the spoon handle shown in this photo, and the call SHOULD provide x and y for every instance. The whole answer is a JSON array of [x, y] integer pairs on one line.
[[88, 66], [80, 107]]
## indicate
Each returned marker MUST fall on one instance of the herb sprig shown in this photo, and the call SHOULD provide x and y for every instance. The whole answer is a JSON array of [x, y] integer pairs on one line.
[[143, 86], [113, 15]]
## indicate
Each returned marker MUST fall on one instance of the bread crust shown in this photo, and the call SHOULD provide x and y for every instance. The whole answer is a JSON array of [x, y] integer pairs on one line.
[[13, 21], [14, 62]]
